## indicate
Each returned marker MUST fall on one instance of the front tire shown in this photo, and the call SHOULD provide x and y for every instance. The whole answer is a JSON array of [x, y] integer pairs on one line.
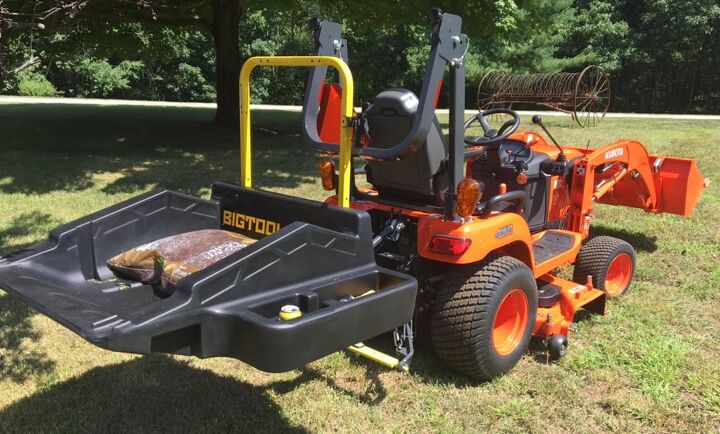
[[483, 317], [609, 261]]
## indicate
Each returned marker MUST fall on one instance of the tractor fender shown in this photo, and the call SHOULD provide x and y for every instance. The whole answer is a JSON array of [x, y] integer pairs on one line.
[[506, 233]]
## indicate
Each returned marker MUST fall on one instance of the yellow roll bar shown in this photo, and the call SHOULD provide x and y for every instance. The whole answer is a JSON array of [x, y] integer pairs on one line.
[[346, 81]]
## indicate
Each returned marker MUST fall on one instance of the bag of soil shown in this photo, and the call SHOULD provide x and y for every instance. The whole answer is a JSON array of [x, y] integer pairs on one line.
[[176, 256]]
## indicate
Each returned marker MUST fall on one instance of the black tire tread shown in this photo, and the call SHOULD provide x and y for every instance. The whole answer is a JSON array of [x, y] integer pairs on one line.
[[462, 305], [594, 257]]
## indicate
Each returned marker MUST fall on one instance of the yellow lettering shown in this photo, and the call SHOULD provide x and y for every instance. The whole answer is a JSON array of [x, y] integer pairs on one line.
[[271, 228], [250, 223], [260, 226], [228, 218], [239, 221]]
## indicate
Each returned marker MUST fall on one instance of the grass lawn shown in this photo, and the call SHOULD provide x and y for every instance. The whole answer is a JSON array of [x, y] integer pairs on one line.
[[651, 365]]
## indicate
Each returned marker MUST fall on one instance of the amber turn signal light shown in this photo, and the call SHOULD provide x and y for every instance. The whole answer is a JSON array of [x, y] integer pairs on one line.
[[522, 178], [327, 174], [469, 192]]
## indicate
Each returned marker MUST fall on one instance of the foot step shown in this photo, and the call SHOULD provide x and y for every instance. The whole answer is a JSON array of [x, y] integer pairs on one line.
[[551, 244]]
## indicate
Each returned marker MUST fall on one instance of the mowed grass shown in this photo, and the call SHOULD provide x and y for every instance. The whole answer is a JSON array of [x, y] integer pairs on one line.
[[650, 365]]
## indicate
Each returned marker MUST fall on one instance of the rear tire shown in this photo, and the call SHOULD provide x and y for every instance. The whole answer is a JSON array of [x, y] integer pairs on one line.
[[483, 317], [609, 261]]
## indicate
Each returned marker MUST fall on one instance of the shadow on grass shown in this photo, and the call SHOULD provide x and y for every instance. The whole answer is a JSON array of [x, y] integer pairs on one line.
[[49, 148], [36, 224], [186, 171], [641, 242], [425, 364], [283, 166], [429, 369], [148, 394], [18, 363], [374, 394]]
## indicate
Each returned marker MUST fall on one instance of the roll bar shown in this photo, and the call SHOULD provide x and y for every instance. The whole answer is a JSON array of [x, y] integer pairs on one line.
[[346, 80], [448, 48], [328, 42]]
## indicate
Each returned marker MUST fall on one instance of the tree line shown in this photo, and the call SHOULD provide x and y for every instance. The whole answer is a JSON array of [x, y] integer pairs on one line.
[[662, 55]]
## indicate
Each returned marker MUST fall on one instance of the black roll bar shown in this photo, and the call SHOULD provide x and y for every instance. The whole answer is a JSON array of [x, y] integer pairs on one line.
[[448, 48], [328, 42]]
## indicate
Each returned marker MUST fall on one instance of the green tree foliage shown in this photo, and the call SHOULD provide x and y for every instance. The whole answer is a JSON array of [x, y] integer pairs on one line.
[[30, 83], [152, 62], [481, 18], [533, 45], [595, 35], [271, 32], [90, 77], [386, 58], [188, 84], [662, 55], [673, 57]]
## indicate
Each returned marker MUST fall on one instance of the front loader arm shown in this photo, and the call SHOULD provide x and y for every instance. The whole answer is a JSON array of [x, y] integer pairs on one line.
[[624, 173], [600, 171]]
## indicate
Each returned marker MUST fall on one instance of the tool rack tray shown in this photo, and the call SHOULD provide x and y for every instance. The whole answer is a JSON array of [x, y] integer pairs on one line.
[[320, 258]]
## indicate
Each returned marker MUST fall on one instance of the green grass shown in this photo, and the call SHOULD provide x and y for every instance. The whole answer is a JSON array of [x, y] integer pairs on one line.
[[650, 365]]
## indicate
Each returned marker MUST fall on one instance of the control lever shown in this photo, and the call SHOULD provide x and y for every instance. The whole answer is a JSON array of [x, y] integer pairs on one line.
[[537, 120], [361, 128]]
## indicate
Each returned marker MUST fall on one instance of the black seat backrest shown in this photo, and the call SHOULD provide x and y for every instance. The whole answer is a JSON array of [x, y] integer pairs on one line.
[[421, 174]]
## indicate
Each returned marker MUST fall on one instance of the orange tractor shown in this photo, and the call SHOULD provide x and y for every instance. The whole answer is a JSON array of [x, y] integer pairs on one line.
[[486, 247], [458, 236]]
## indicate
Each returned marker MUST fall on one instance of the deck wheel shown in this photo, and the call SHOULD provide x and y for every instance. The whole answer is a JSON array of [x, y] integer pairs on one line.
[[557, 346]]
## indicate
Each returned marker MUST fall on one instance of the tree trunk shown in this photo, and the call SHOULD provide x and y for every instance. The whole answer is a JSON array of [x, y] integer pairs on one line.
[[226, 22]]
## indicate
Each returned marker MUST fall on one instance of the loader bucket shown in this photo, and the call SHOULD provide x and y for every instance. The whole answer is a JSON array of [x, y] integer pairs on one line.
[[672, 185], [678, 184], [311, 255]]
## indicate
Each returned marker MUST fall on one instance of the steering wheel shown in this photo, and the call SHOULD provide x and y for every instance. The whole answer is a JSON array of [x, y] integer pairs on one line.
[[492, 136]]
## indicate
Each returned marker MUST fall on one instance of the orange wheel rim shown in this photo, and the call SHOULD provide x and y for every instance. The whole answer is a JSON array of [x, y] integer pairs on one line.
[[510, 322], [618, 275]]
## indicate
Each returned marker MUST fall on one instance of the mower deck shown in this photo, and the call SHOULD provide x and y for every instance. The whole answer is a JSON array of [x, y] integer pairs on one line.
[[556, 315]]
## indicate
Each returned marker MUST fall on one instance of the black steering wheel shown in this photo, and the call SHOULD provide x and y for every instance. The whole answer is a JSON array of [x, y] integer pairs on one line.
[[492, 136]]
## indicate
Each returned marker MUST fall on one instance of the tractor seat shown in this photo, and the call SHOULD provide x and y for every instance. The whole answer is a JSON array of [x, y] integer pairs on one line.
[[421, 175]]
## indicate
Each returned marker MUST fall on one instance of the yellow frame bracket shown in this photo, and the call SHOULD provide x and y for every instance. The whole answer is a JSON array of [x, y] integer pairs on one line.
[[346, 81], [377, 356]]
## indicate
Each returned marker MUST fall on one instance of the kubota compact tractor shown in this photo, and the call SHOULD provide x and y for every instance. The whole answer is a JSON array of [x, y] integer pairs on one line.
[[461, 235]]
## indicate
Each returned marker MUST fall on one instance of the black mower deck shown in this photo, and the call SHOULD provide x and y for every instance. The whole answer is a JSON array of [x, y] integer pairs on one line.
[[308, 254]]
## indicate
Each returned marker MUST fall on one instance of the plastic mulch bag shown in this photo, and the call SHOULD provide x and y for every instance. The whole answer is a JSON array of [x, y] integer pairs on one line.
[[163, 262]]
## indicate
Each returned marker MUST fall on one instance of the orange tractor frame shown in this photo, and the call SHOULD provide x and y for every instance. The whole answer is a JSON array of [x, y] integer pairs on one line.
[[488, 235]]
